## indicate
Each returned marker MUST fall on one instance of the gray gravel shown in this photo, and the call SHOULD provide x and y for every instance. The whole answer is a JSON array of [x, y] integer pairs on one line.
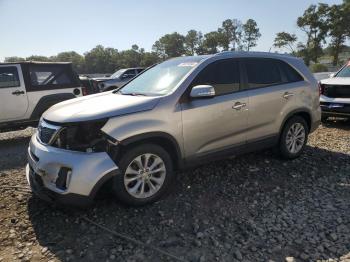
[[254, 207]]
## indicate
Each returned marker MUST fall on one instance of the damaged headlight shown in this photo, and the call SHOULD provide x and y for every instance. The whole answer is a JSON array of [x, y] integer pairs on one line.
[[84, 137]]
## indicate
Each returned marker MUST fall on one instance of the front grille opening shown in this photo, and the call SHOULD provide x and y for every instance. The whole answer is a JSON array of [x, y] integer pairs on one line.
[[63, 178], [46, 134], [336, 91]]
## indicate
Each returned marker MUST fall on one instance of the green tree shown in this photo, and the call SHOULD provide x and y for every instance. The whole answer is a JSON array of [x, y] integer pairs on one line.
[[211, 42], [149, 58], [170, 45], [102, 60], [38, 58], [251, 34], [339, 24], [230, 34], [285, 40], [11, 59], [314, 23], [193, 41], [77, 60]]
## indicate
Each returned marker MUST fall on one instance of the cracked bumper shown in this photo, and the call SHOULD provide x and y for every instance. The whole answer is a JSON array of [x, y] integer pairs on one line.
[[88, 173]]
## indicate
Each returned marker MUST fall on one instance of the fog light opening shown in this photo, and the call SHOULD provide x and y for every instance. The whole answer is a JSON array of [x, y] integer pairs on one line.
[[63, 178]]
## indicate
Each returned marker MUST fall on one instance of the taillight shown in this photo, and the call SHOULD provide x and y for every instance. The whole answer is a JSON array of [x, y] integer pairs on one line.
[[84, 91]]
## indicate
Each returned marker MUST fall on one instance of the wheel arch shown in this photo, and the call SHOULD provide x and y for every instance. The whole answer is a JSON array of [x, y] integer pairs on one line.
[[304, 113], [47, 101], [165, 140]]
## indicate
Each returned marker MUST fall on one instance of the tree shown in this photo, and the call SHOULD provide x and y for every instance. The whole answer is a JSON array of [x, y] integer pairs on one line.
[[102, 60], [285, 40], [193, 41], [251, 34], [149, 58], [170, 45], [76, 59], [211, 42], [39, 58], [230, 34], [339, 23], [12, 59], [314, 23]]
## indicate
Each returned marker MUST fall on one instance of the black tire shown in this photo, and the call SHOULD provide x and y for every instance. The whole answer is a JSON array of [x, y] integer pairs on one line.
[[283, 148], [119, 189]]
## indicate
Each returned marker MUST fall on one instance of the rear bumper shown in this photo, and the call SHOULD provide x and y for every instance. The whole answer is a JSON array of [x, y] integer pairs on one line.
[[88, 172]]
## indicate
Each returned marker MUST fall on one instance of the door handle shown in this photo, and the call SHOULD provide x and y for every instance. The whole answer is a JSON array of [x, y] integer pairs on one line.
[[287, 95], [238, 105], [17, 93]]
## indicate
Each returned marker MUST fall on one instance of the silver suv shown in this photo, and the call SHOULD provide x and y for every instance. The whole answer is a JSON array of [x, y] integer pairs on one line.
[[179, 113]]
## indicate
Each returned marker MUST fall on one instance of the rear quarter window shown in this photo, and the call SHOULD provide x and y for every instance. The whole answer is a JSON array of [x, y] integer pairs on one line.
[[47, 76]]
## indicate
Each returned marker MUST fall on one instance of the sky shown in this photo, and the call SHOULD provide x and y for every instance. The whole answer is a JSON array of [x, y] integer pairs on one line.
[[47, 27]]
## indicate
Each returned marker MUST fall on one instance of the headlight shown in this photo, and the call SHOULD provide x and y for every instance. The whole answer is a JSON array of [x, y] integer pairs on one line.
[[84, 136]]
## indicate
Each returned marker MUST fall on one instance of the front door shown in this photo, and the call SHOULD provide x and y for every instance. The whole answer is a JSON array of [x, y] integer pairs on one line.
[[13, 95], [218, 123]]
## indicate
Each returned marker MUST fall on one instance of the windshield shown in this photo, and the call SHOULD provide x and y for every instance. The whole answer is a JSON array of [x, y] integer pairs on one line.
[[118, 73], [345, 71], [161, 79]]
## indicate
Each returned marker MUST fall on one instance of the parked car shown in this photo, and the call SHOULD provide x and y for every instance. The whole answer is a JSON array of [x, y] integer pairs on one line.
[[182, 112], [27, 89], [323, 75], [119, 78], [88, 86], [335, 94]]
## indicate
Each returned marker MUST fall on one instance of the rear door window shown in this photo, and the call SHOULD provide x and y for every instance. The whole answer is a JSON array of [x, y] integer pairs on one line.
[[9, 77], [262, 73], [48, 76], [223, 75]]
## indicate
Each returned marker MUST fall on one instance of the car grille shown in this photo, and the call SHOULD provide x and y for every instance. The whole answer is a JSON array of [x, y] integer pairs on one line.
[[336, 91], [46, 132]]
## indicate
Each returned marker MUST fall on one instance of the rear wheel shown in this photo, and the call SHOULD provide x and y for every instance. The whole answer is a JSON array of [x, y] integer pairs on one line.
[[146, 175], [293, 138]]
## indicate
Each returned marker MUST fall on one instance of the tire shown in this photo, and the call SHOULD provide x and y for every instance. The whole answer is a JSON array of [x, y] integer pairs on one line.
[[286, 149], [130, 169]]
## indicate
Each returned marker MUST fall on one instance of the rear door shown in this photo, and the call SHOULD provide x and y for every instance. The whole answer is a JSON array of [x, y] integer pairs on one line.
[[271, 95], [218, 123], [13, 96]]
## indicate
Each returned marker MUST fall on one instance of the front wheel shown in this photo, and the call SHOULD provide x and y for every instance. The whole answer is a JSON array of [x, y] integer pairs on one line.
[[293, 137], [146, 175]]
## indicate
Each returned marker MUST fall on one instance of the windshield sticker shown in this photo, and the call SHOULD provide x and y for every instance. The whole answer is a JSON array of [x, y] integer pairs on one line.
[[188, 64]]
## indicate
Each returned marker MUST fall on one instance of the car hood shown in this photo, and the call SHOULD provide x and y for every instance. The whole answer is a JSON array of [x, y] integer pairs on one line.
[[101, 79], [336, 81], [98, 106]]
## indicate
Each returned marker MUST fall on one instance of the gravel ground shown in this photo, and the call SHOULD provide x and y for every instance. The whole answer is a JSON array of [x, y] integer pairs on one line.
[[254, 207]]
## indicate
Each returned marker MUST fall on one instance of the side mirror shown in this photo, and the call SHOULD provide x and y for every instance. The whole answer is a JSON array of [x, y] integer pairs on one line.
[[331, 75], [202, 91]]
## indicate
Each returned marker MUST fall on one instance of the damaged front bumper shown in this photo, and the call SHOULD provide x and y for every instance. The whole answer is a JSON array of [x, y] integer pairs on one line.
[[67, 177]]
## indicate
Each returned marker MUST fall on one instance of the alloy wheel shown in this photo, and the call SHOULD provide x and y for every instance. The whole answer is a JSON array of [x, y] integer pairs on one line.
[[144, 176], [295, 138]]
